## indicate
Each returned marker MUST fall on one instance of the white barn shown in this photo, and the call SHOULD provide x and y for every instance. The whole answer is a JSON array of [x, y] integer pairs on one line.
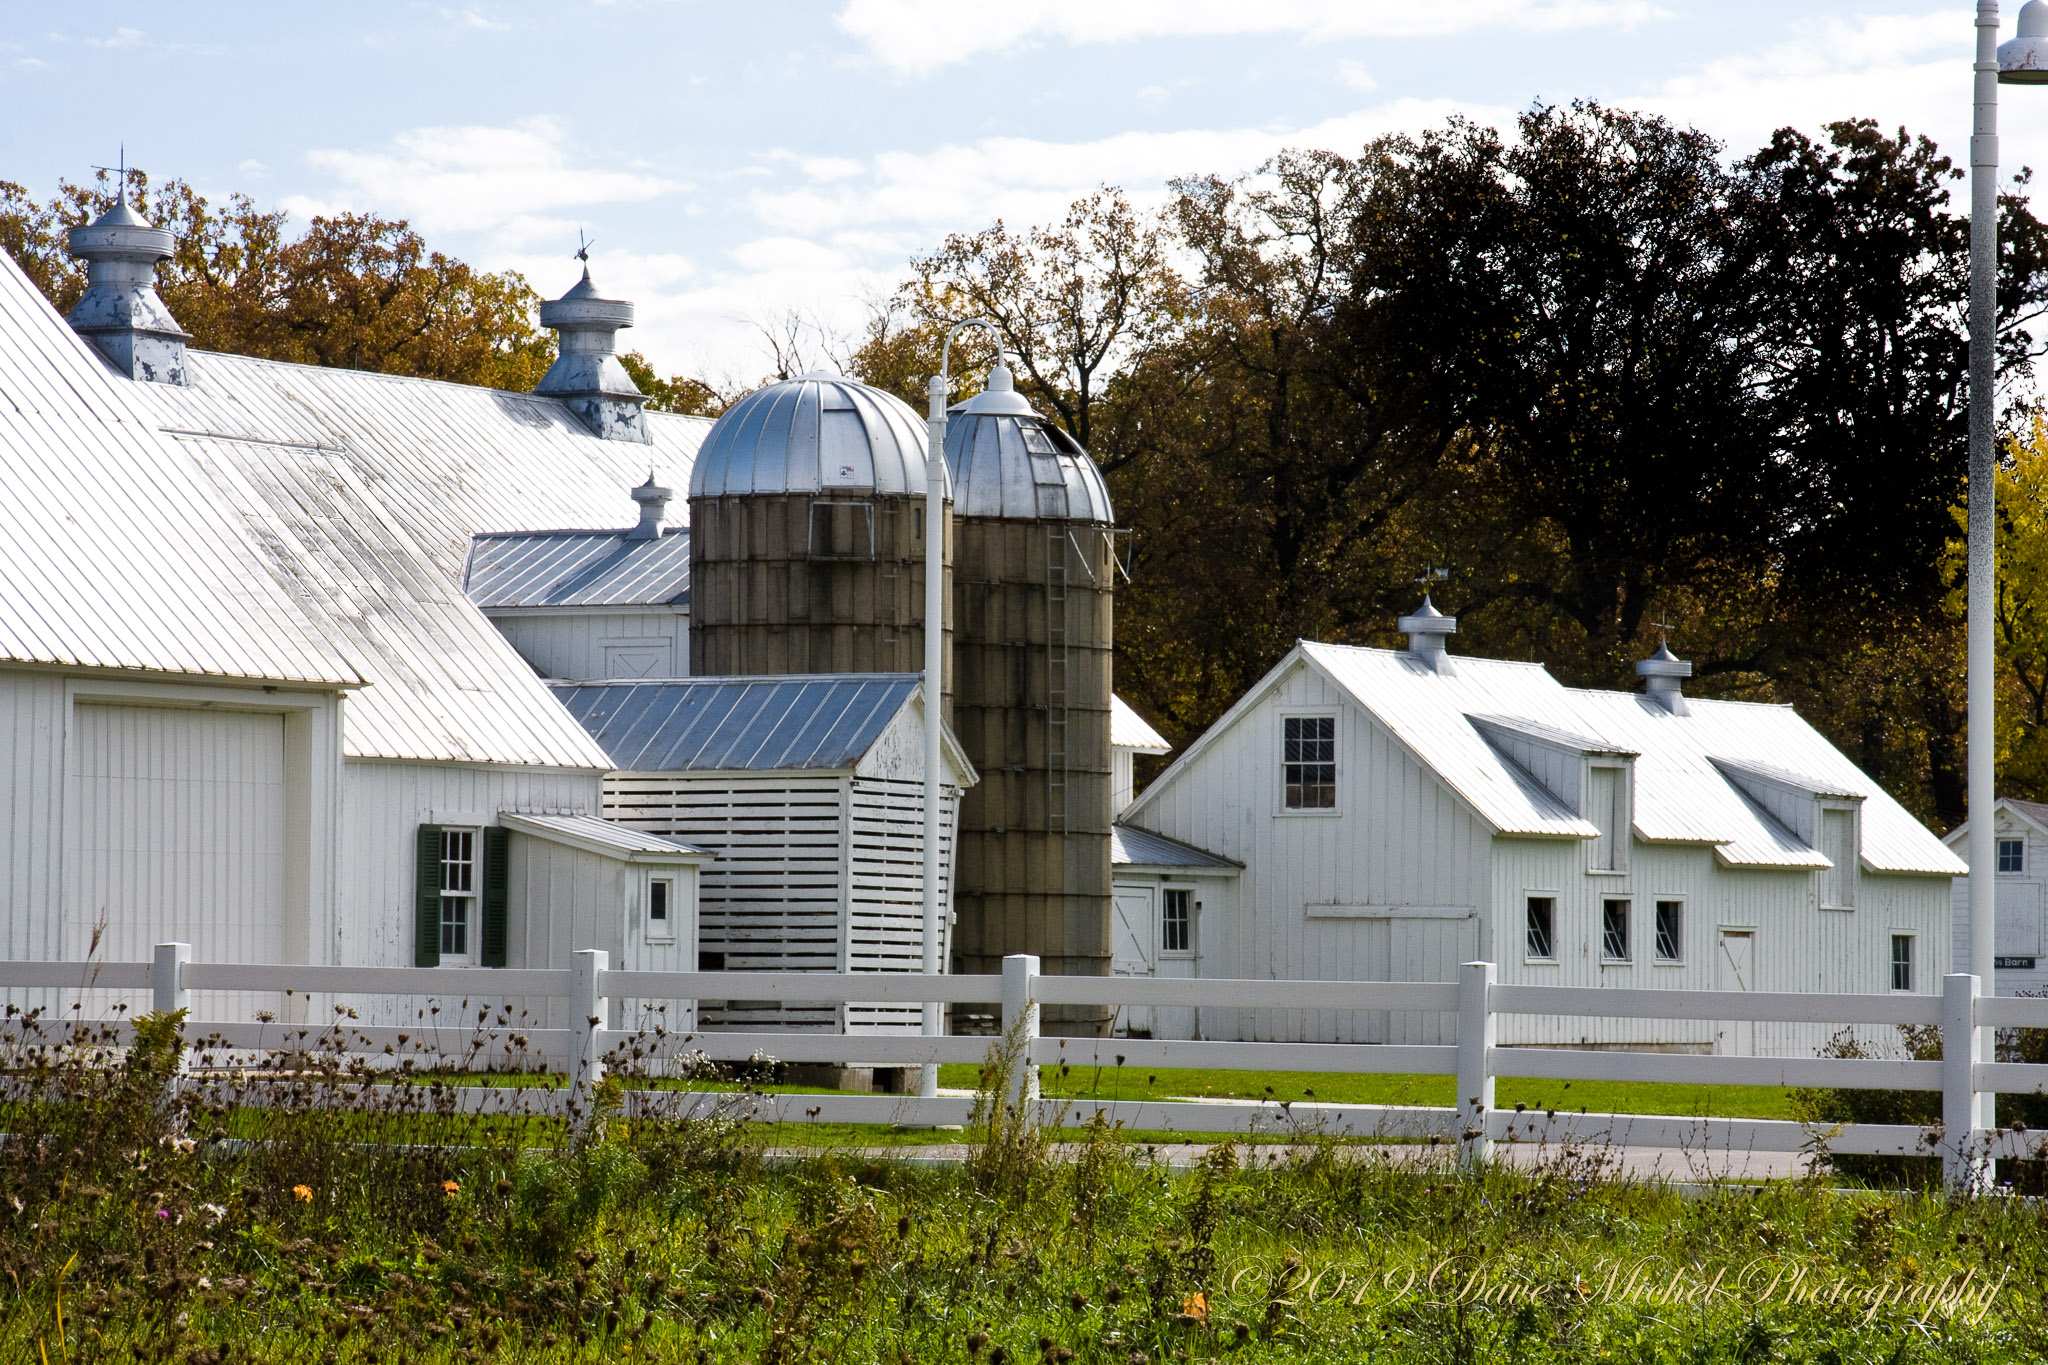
[[241, 687], [1400, 812]]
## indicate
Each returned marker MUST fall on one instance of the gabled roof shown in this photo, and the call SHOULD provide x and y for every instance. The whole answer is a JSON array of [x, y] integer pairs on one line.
[[1130, 846], [823, 722], [2033, 814], [1128, 730], [567, 569], [607, 838], [1680, 794], [117, 552]]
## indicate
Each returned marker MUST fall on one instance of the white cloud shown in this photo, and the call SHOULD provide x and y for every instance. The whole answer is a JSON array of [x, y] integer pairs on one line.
[[1355, 75], [918, 36], [123, 37], [476, 178], [474, 19], [251, 166]]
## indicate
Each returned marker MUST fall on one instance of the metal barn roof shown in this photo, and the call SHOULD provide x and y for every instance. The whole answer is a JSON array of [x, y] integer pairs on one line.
[[1130, 846], [1681, 796], [815, 722], [535, 569], [1022, 467], [1128, 730], [119, 553]]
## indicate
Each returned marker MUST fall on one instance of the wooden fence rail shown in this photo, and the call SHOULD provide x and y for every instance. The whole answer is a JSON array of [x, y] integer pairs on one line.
[[1966, 1140]]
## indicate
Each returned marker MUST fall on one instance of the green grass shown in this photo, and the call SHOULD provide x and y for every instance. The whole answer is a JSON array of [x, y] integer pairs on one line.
[[1611, 1097]]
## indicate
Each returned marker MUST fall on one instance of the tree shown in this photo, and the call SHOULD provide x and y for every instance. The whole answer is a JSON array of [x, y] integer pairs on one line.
[[678, 393], [354, 290]]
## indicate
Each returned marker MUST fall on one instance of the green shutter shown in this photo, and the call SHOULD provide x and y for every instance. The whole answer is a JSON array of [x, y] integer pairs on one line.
[[426, 938], [497, 880]]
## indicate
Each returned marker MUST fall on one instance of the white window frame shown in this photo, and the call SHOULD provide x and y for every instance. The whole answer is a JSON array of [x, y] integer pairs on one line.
[[1335, 716], [663, 930], [1891, 967], [1194, 908], [1522, 927], [1657, 957], [472, 919], [2021, 859], [1628, 931]]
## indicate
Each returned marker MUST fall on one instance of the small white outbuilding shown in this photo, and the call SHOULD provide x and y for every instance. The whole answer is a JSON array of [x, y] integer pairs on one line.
[[2019, 965], [810, 792], [1400, 812]]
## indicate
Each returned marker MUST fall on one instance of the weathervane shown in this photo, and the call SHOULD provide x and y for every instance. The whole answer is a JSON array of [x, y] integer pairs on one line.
[[1431, 573], [121, 174], [583, 247]]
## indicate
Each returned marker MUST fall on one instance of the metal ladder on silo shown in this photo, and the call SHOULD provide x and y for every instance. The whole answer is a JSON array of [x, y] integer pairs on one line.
[[1056, 677]]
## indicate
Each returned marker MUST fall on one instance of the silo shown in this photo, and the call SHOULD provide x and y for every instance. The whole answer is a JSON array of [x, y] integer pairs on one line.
[[807, 533], [1032, 595]]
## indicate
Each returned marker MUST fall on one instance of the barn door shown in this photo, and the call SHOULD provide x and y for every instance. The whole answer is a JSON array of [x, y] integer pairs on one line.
[[1132, 950], [1738, 973]]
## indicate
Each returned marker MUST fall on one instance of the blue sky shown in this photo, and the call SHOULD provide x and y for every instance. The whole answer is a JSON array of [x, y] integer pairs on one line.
[[736, 161]]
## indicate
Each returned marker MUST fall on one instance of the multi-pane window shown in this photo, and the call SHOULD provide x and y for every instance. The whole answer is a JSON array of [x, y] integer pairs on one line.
[[659, 925], [2012, 855], [1542, 920], [1670, 931], [1310, 760], [1614, 931], [1176, 922], [458, 889], [1902, 962]]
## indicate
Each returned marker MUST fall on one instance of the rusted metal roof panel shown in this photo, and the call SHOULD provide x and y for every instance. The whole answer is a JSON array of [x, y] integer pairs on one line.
[[816, 722], [578, 569], [118, 554], [1130, 846], [443, 683]]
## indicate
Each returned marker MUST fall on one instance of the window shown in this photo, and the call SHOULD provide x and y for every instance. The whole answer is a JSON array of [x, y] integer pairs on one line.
[[1670, 931], [1542, 918], [2012, 855], [1311, 762], [458, 890], [1614, 931], [660, 926], [1176, 921], [1902, 962]]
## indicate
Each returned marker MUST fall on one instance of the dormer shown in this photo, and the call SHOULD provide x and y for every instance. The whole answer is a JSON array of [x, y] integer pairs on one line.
[[1818, 813], [1590, 777]]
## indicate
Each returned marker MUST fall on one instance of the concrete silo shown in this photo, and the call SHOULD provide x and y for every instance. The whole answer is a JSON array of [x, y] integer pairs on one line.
[[807, 533], [1033, 574]]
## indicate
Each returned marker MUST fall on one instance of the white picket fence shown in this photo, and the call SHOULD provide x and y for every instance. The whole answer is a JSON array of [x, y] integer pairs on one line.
[[1965, 1141]]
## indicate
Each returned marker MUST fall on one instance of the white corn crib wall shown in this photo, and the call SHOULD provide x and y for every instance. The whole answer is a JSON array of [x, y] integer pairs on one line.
[[1964, 1077]]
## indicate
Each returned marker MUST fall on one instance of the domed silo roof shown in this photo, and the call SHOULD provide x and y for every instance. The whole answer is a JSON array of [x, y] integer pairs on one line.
[[1009, 462], [820, 433]]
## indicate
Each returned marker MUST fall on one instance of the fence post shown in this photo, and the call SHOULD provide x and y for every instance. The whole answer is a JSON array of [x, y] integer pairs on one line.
[[1475, 1061], [167, 994], [588, 1010], [1020, 1005], [1965, 1165]]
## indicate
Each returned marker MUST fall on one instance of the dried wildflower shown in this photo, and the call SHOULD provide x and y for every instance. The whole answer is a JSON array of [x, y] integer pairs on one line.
[[303, 1193], [975, 1342]]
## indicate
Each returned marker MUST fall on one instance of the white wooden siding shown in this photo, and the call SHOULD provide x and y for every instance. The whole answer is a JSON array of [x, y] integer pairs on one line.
[[596, 643], [2033, 873], [33, 708], [885, 888], [177, 832]]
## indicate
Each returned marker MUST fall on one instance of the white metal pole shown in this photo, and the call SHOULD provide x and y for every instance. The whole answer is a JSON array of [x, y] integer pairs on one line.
[[934, 670], [1983, 549]]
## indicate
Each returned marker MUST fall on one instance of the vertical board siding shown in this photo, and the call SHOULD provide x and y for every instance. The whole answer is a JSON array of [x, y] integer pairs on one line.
[[571, 645], [32, 713]]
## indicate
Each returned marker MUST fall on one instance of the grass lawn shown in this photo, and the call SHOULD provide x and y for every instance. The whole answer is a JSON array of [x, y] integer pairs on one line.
[[1615, 1097]]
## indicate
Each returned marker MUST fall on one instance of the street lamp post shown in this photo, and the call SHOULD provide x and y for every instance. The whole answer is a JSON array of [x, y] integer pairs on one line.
[[2023, 61], [934, 667]]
